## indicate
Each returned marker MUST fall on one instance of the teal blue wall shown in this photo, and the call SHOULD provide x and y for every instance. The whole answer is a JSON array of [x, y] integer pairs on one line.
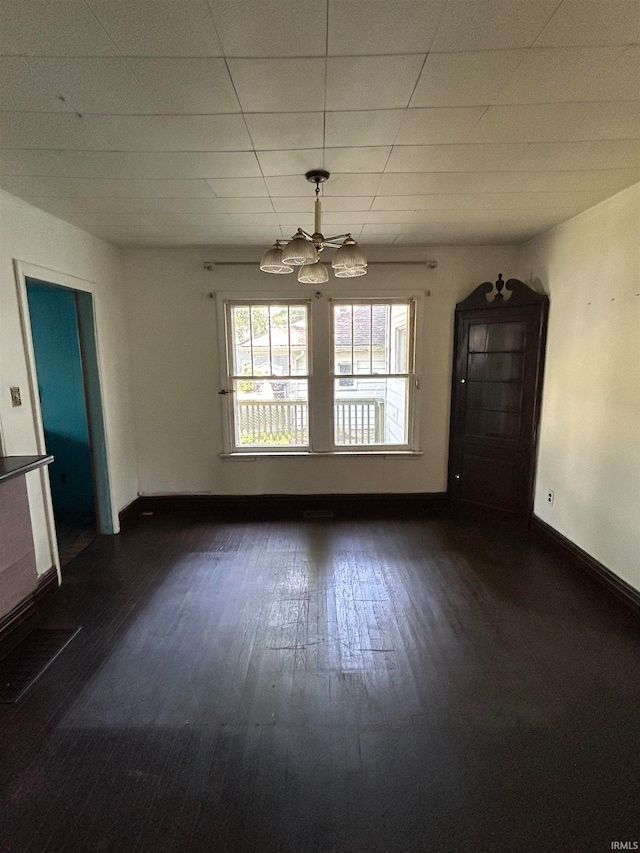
[[54, 327]]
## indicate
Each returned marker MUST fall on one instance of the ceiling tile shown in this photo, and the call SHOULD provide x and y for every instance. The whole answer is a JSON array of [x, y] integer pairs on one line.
[[537, 218], [210, 133], [291, 186], [465, 79], [258, 219], [574, 74], [394, 216], [61, 206], [168, 165], [159, 27], [29, 162], [61, 130], [592, 22], [131, 133], [296, 162], [271, 27], [95, 84], [146, 205], [223, 205], [464, 234], [356, 159], [381, 230], [366, 127], [185, 86], [225, 164], [56, 28], [371, 27], [302, 205], [519, 201], [601, 154], [371, 82], [491, 24], [172, 223], [339, 185], [182, 189], [551, 122], [279, 85], [488, 182], [238, 187], [352, 185], [100, 164], [274, 131], [37, 186], [24, 89], [438, 124]]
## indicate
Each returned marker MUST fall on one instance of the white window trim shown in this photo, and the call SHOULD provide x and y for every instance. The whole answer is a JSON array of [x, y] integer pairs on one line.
[[320, 378]]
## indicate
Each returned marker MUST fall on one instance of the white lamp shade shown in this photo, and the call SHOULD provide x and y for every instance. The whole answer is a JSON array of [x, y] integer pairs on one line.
[[272, 262], [313, 274], [349, 255], [349, 272], [299, 251]]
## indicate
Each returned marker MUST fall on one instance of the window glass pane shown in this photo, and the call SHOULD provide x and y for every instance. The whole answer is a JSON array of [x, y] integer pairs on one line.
[[371, 338], [490, 367], [374, 413], [492, 424], [502, 396], [269, 340], [496, 337], [271, 413]]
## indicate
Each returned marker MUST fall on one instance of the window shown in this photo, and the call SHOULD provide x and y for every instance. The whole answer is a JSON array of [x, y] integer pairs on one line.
[[359, 401], [371, 339], [269, 371]]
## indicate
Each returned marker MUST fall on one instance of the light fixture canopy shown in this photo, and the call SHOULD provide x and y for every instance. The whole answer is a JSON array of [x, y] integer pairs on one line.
[[272, 262], [303, 249]]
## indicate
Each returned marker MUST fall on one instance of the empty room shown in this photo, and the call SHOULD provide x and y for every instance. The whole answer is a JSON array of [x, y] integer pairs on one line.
[[319, 426]]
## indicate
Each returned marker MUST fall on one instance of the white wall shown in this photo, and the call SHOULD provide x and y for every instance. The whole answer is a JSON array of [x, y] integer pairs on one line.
[[589, 451], [36, 238], [176, 370]]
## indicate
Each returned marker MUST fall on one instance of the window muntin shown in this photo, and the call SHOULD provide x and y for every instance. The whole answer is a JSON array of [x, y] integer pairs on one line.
[[269, 358], [374, 340]]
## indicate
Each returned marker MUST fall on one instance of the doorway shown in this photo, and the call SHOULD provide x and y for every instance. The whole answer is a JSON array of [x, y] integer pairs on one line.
[[66, 365]]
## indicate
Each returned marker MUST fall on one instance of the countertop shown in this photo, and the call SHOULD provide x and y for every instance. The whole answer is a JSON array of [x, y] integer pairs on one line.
[[14, 466]]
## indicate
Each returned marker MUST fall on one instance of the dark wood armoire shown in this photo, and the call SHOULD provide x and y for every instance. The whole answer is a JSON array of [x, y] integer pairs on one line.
[[500, 334]]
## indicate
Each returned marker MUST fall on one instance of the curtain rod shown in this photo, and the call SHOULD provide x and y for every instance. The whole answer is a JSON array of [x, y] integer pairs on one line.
[[208, 265]]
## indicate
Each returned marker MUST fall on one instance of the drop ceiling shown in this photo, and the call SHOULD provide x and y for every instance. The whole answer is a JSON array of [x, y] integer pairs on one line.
[[183, 122]]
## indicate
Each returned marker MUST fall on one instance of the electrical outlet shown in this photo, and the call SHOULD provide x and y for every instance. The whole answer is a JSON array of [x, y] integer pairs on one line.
[[16, 399], [551, 496]]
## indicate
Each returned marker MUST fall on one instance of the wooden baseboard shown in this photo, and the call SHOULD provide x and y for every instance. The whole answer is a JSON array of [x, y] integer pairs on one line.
[[292, 506], [129, 512], [15, 623], [620, 588]]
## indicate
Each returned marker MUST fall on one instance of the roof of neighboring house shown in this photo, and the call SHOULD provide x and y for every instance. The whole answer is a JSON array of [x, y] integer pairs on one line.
[[364, 327]]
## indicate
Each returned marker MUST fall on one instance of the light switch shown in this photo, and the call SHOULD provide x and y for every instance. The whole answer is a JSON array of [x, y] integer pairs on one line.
[[16, 399]]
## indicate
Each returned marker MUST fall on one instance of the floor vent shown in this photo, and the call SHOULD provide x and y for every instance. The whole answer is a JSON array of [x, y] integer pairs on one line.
[[317, 513]]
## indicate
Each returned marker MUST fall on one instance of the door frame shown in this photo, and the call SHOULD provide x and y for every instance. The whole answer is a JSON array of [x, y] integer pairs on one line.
[[106, 514]]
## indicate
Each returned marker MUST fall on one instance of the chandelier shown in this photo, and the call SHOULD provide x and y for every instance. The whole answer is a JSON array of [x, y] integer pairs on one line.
[[303, 249]]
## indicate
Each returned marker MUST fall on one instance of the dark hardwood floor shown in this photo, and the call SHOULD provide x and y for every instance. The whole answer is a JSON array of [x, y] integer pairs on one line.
[[348, 685]]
